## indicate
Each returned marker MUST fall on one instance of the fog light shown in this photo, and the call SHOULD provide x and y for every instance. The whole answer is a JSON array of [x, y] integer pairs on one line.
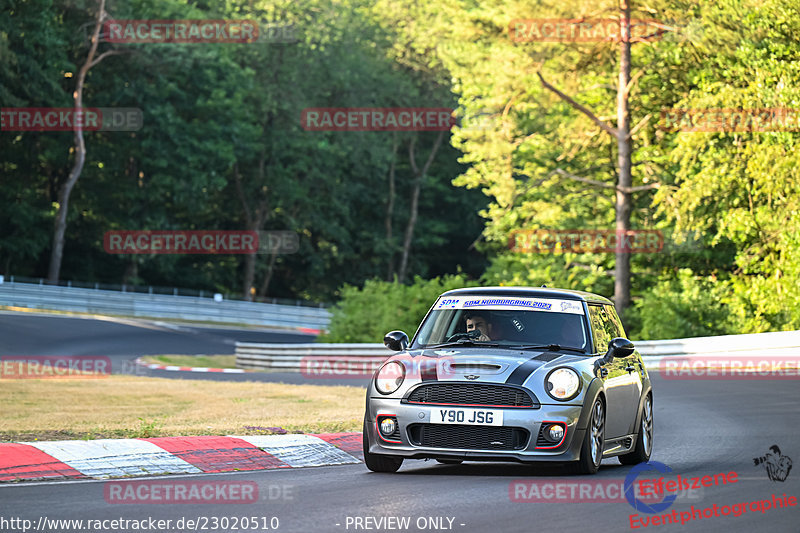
[[388, 426], [556, 433]]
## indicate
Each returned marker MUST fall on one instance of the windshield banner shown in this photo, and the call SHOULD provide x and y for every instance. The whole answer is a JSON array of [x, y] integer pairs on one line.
[[510, 303]]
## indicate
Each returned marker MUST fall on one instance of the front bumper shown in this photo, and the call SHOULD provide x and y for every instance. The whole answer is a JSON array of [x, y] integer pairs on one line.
[[523, 418]]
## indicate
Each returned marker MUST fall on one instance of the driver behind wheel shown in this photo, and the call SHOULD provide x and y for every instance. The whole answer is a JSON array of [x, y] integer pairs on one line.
[[482, 322]]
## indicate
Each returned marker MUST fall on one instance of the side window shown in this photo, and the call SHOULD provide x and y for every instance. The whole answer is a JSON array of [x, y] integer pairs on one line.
[[617, 322], [602, 328]]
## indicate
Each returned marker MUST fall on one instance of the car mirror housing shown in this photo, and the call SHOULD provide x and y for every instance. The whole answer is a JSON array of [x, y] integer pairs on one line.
[[619, 347], [396, 341]]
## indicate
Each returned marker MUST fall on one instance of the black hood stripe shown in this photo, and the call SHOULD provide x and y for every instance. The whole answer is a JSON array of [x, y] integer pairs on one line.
[[429, 369], [521, 373], [548, 356]]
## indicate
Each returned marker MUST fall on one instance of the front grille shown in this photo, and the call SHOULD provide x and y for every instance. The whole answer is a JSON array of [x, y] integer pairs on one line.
[[471, 394], [468, 437]]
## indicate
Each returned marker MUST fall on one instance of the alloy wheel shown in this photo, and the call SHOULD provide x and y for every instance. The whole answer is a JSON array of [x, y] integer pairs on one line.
[[598, 432], [647, 425]]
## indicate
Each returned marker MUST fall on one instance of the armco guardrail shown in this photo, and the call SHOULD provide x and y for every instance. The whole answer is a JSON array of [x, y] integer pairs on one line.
[[161, 306], [288, 357], [780, 343]]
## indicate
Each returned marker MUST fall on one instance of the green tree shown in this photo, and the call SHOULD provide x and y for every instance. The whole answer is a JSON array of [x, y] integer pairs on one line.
[[366, 314]]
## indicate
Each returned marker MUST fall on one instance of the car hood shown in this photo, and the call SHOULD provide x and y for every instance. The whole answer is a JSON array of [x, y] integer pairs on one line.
[[478, 364]]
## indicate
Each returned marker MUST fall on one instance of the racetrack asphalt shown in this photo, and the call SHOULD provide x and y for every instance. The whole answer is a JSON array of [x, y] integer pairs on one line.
[[701, 428], [123, 340]]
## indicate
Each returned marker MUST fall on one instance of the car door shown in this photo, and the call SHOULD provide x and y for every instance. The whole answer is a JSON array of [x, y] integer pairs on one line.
[[618, 384], [634, 367]]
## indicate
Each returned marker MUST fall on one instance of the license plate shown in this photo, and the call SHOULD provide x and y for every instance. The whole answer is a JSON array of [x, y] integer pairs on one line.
[[472, 417]]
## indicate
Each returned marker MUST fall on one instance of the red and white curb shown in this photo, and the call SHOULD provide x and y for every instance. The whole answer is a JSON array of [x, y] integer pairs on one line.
[[175, 368], [114, 458]]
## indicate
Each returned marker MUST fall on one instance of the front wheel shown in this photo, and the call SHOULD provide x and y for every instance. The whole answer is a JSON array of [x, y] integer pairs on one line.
[[592, 448], [644, 441], [378, 463]]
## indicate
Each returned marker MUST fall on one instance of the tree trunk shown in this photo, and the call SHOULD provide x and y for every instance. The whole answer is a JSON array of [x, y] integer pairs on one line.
[[622, 269], [390, 211], [57, 251], [622, 134], [131, 275], [419, 177], [60, 229], [249, 259], [262, 292], [249, 276], [253, 222]]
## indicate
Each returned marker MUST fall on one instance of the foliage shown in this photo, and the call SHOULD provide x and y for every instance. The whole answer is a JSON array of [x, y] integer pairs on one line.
[[215, 112], [742, 190], [366, 314], [737, 192], [684, 307]]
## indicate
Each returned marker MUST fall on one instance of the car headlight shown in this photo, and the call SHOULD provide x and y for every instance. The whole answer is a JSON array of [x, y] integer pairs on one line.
[[390, 377], [563, 383]]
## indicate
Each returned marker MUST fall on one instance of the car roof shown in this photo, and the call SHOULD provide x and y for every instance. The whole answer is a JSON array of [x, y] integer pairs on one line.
[[536, 292]]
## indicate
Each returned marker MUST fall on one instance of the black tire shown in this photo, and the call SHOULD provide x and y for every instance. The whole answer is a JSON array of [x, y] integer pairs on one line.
[[379, 463], [644, 440], [592, 448], [449, 461]]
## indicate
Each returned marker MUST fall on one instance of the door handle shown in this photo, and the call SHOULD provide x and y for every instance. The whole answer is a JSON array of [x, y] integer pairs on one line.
[[630, 368]]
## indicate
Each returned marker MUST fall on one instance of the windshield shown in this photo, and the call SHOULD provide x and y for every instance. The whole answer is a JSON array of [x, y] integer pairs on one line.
[[504, 321]]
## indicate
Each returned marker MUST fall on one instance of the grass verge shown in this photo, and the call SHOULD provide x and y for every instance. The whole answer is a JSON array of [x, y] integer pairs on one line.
[[129, 407], [210, 361]]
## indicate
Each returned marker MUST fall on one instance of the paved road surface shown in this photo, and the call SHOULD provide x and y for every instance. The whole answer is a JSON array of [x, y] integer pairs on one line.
[[702, 428], [125, 339]]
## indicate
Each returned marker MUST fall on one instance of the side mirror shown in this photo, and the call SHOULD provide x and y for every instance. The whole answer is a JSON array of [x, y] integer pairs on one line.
[[619, 347], [397, 341]]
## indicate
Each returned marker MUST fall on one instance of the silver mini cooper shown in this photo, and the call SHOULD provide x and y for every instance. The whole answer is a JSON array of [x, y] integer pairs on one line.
[[511, 374]]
